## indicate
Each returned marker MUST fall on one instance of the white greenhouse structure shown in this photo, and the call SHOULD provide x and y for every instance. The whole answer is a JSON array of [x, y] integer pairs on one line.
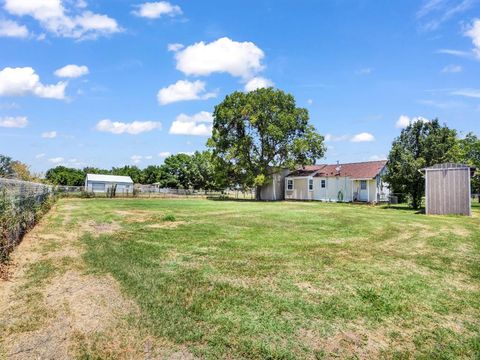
[[100, 183]]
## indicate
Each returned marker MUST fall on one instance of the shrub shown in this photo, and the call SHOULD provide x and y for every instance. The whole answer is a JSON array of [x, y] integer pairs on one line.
[[169, 217]]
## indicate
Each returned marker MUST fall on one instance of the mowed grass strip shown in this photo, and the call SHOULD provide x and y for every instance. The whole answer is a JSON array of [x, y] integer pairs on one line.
[[294, 279]]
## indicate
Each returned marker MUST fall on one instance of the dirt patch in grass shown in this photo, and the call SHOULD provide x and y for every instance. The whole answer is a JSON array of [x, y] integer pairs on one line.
[[166, 225], [52, 309], [101, 228]]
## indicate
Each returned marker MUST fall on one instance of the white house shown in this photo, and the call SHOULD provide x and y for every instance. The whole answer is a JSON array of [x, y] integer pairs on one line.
[[341, 182], [99, 183]]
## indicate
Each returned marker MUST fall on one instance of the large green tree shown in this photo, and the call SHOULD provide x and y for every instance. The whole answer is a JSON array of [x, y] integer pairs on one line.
[[6, 166], [61, 175], [468, 152], [420, 145], [258, 131]]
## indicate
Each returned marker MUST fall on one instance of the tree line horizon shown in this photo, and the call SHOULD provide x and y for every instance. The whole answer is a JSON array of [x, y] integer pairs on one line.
[[262, 130]]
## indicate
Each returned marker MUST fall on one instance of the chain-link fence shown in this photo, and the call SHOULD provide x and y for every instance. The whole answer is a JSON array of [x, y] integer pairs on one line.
[[21, 205]]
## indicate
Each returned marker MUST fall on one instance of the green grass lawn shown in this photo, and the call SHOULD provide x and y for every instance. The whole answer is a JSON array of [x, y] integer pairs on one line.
[[290, 280]]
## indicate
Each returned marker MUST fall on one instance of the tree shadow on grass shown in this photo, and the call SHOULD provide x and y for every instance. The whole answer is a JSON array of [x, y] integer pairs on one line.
[[404, 208]]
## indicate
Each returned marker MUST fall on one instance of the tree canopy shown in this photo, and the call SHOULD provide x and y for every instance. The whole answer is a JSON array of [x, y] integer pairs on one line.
[[61, 175], [468, 152], [420, 145], [258, 131]]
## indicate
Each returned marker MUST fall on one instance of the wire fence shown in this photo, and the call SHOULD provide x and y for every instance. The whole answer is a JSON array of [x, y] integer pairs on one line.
[[21, 205]]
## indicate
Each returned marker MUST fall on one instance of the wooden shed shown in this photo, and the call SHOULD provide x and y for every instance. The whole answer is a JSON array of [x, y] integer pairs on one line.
[[447, 189]]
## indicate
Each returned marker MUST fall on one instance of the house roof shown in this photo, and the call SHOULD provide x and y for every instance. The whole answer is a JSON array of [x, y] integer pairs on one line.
[[109, 178], [359, 170]]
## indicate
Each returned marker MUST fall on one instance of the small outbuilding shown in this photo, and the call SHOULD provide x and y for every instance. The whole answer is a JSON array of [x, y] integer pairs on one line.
[[447, 189], [100, 183]]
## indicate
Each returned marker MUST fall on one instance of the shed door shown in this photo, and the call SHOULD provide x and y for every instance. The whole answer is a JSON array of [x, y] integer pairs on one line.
[[363, 191], [98, 187]]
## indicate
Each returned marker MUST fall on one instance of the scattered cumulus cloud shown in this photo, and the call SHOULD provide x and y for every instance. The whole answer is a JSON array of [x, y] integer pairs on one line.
[[452, 69], [9, 28], [473, 32], [164, 154], [199, 124], [40, 156], [25, 81], [258, 83], [49, 134], [239, 59], [13, 121], [333, 138], [403, 121], [309, 101], [184, 90], [56, 160], [175, 47], [471, 93], [136, 159], [72, 71], [133, 128], [55, 17], [154, 10], [362, 137]]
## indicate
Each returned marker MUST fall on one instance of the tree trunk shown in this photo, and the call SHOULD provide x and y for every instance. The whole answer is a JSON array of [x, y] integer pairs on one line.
[[258, 195]]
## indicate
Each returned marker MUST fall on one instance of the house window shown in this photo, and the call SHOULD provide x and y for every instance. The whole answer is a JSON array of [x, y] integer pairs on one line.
[[310, 184], [289, 184], [363, 184], [323, 184]]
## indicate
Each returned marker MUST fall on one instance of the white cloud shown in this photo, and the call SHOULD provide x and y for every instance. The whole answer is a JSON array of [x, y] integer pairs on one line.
[[136, 159], [377, 157], [363, 137], [459, 53], [435, 12], [13, 121], [199, 124], [364, 71], [56, 160], [403, 121], [148, 157], [330, 137], [239, 59], [72, 71], [164, 154], [54, 17], [154, 10], [183, 90], [452, 69], [49, 135], [9, 28], [175, 47], [474, 33], [258, 83], [309, 101], [134, 128], [39, 156], [472, 93], [23, 81]]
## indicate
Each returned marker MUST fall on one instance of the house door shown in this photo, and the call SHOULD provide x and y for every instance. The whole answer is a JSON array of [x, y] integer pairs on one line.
[[363, 191]]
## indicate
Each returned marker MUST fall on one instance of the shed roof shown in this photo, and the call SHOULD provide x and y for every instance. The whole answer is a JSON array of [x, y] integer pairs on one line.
[[109, 178], [451, 166], [359, 170]]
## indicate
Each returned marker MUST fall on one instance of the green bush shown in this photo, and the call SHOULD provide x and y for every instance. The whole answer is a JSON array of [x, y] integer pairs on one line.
[[169, 217]]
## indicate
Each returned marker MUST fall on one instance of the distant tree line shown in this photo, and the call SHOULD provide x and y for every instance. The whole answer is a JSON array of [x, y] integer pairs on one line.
[[180, 171], [256, 133]]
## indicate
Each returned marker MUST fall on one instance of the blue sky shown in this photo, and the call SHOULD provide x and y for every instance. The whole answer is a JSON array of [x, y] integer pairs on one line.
[[109, 83]]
